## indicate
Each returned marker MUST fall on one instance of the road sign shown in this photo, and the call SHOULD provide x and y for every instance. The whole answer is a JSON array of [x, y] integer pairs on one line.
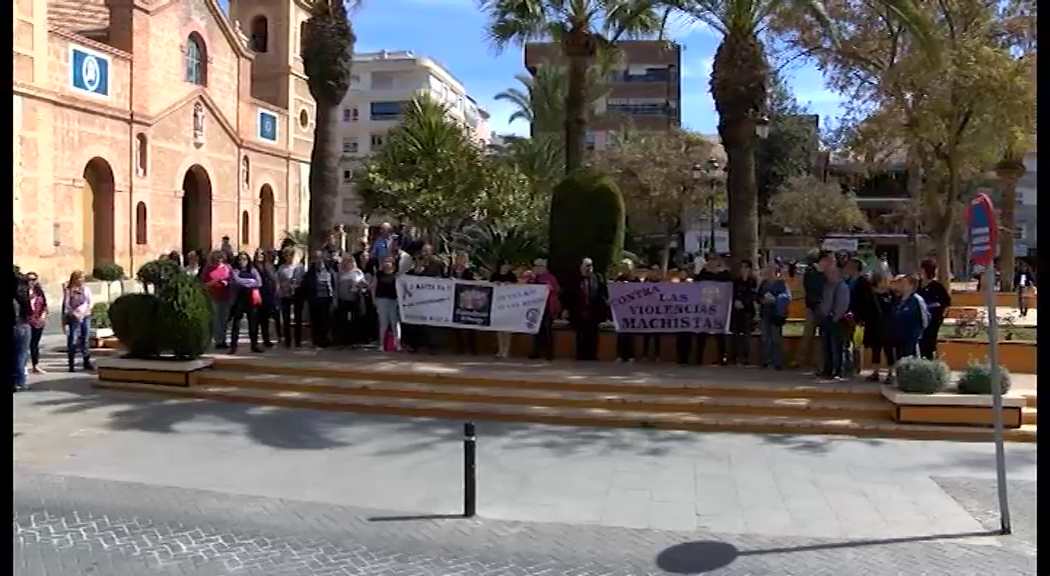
[[983, 231]]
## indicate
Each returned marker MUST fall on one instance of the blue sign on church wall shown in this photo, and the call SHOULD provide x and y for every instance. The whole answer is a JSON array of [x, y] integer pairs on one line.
[[267, 126], [88, 71]]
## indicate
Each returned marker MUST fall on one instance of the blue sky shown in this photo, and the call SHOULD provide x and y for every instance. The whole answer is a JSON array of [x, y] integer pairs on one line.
[[452, 32]]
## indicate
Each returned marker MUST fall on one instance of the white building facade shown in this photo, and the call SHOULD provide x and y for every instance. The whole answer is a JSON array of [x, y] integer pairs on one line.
[[382, 85]]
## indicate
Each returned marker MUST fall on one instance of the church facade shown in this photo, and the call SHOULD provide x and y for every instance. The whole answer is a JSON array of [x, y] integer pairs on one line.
[[147, 126]]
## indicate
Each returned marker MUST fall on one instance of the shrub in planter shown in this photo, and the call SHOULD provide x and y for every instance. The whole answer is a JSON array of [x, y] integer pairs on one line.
[[587, 219], [108, 272], [135, 321], [100, 316], [157, 273], [920, 376], [977, 379], [185, 315]]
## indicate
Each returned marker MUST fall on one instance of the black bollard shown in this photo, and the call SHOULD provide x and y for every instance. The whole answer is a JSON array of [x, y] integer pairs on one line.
[[470, 471]]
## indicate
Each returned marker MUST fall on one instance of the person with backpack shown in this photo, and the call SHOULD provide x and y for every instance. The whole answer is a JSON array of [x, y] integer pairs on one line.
[[911, 317], [878, 326], [774, 297]]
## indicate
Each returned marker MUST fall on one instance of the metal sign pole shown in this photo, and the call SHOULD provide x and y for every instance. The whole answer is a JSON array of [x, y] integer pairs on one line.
[[997, 399]]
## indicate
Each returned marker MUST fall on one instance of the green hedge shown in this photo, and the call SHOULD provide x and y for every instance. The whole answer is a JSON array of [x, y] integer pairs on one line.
[[920, 376], [175, 320], [977, 379], [587, 221]]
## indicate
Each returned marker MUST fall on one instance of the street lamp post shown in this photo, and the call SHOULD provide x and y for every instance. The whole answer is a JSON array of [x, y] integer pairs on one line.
[[711, 168]]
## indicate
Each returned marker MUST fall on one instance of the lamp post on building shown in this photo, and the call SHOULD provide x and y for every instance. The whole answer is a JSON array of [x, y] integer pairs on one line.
[[709, 171]]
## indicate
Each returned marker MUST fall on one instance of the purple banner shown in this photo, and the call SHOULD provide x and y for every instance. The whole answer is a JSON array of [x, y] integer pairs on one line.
[[671, 306]]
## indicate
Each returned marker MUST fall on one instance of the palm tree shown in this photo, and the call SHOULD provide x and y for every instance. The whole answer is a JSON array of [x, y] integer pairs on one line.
[[583, 29], [327, 51], [540, 101], [740, 76]]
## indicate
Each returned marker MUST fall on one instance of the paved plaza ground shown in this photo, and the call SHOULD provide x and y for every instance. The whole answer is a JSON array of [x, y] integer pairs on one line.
[[123, 485]]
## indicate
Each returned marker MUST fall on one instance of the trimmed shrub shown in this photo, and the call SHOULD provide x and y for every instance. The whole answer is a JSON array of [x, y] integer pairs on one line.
[[185, 315], [108, 272], [134, 318], [587, 221], [920, 376], [100, 316], [158, 272], [977, 379]]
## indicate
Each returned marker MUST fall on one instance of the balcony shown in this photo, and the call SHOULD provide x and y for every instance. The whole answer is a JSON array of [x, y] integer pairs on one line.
[[646, 110], [652, 75]]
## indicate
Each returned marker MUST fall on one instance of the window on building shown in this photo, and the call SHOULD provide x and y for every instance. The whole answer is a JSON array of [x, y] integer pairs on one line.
[[355, 81], [350, 114], [246, 237], [377, 141], [1020, 232], [348, 176], [379, 111], [196, 60], [260, 34], [590, 140], [141, 154], [302, 36], [349, 145], [141, 225]]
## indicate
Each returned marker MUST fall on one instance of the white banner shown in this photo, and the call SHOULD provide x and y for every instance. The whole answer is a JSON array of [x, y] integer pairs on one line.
[[449, 303]]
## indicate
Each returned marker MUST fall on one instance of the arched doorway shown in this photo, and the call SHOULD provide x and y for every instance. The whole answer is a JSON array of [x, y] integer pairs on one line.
[[196, 210], [266, 232], [99, 242]]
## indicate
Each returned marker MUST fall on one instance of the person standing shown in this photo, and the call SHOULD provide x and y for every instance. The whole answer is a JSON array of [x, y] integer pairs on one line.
[[834, 304], [270, 309], [878, 327], [938, 300], [714, 271], [381, 245], [813, 284], [543, 341], [384, 294], [246, 298], [289, 279], [651, 341], [21, 331], [911, 318], [503, 275], [76, 308], [589, 310], [216, 280], [37, 319], [1023, 283], [625, 340], [349, 284], [774, 300], [742, 316], [319, 291], [466, 340]]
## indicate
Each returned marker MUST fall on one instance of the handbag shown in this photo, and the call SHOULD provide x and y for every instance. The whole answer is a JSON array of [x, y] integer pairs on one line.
[[256, 297]]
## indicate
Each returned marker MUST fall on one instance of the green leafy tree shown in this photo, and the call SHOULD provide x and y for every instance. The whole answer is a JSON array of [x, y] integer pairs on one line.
[[327, 52], [740, 80], [582, 29], [807, 206]]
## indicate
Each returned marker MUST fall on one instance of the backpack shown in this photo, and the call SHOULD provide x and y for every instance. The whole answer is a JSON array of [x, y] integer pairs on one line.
[[924, 311]]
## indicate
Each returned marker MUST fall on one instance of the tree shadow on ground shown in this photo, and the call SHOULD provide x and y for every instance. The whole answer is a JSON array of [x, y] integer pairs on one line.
[[816, 444]]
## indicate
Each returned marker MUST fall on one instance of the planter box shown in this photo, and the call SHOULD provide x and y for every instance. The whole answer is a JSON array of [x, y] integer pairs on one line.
[[163, 372], [950, 408]]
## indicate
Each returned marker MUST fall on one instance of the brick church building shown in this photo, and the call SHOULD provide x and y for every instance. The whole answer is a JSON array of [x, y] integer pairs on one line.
[[146, 126]]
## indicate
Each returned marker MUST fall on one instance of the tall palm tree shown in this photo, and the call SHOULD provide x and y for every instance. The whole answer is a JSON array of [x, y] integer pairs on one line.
[[540, 100], [327, 52], [582, 29], [740, 78]]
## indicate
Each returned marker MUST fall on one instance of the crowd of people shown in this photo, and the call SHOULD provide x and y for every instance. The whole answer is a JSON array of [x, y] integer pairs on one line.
[[349, 299]]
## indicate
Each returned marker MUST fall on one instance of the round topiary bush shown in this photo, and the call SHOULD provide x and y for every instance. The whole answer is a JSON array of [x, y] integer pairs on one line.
[[587, 221], [100, 316], [135, 321], [977, 379], [920, 376], [108, 272], [185, 315]]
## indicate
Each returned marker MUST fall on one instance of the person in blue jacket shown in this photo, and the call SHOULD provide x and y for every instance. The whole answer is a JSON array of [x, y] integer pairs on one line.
[[910, 317], [774, 297]]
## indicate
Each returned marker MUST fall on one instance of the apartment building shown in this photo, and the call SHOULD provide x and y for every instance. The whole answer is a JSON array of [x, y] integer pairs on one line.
[[645, 89], [382, 85]]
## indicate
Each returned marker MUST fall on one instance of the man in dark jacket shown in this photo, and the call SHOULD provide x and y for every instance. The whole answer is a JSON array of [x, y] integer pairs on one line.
[[742, 316], [714, 270], [813, 281], [589, 300]]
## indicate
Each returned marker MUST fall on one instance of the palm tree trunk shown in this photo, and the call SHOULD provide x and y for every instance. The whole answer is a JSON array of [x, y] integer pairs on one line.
[[738, 138], [576, 113], [324, 176], [1010, 172]]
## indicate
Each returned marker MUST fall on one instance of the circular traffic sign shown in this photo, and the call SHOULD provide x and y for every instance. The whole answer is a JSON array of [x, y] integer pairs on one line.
[[983, 232]]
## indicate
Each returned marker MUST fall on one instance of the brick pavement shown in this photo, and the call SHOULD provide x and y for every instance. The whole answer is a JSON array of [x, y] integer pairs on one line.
[[66, 525]]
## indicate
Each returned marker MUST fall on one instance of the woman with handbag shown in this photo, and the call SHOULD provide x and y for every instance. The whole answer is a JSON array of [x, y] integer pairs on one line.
[[76, 312], [247, 298]]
